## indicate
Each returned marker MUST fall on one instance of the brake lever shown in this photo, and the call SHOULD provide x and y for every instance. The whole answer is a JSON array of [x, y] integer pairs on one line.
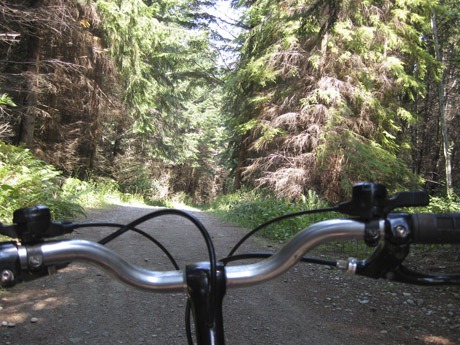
[[8, 230], [369, 201], [383, 261], [386, 261]]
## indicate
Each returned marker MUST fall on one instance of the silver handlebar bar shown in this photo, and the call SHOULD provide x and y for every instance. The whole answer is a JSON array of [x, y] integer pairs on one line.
[[55, 253], [292, 252]]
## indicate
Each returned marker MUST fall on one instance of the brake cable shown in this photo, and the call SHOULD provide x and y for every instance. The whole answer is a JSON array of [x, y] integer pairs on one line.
[[407, 275], [138, 231], [210, 248], [278, 219], [194, 220]]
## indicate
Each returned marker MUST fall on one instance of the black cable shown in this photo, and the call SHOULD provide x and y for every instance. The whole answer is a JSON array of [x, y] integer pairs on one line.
[[209, 245], [188, 322], [278, 219], [199, 225], [170, 257], [248, 256], [163, 212], [140, 232], [408, 275]]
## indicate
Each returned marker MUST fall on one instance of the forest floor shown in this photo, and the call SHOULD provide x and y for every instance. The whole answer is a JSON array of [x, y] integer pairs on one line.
[[308, 305]]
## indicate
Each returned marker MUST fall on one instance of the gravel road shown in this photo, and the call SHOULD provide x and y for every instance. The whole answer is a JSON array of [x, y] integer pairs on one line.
[[308, 305]]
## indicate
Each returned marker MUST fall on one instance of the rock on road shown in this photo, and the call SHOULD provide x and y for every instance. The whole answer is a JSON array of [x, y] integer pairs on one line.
[[308, 305]]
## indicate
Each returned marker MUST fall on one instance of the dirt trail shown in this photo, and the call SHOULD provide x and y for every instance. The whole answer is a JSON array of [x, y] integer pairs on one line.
[[308, 305]]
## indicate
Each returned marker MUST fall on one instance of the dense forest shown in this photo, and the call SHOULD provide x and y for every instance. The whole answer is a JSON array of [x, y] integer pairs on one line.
[[305, 96]]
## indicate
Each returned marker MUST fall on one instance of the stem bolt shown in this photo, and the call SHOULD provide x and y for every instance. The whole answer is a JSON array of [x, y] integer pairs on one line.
[[7, 277], [400, 231], [35, 261]]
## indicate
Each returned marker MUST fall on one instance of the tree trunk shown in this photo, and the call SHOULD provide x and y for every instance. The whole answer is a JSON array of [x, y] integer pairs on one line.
[[28, 118], [442, 110], [94, 116], [242, 154]]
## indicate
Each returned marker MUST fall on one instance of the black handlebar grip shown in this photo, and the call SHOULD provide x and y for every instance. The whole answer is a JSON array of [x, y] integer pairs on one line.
[[431, 228]]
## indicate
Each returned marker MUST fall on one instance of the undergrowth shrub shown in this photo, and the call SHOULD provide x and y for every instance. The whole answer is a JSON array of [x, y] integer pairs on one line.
[[94, 192], [441, 205], [249, 209], [26, 181]]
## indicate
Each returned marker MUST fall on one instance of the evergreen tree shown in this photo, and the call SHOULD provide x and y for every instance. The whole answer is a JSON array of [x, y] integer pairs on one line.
[[435, 135], [117, 83], [327, 84], [171, 84], [55, 69], [161, 61]]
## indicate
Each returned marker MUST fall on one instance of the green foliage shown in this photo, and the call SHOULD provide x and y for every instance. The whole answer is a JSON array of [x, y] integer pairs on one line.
[[440, 205], [173, 92], [6, 100], [133, 176], [167, 68], [363, 160], [325, 93], [97, 192], [250, 209], [26, 181]]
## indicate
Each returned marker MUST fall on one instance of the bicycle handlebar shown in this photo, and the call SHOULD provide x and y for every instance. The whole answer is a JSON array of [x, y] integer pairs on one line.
[[431, 228], [56, 253], [421, 228], [292, 252], [33, 257], [391, 233]]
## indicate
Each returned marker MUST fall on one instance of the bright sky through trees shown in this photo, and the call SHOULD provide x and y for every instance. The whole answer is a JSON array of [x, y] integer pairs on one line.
[[228, 16], [226, 28]]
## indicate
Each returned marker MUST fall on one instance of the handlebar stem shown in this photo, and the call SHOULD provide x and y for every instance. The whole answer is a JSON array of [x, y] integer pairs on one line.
[[206, 304]]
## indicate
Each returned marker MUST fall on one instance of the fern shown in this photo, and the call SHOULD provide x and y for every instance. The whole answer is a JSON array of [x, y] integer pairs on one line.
[[26, 181], [6, 100]]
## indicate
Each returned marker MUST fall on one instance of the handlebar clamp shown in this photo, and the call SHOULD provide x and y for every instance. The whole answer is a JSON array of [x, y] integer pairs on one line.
[[9, 265], [372, 233]]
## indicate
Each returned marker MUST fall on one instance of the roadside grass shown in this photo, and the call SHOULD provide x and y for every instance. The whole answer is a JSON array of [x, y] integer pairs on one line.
[[249, 209], [100, 192]]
